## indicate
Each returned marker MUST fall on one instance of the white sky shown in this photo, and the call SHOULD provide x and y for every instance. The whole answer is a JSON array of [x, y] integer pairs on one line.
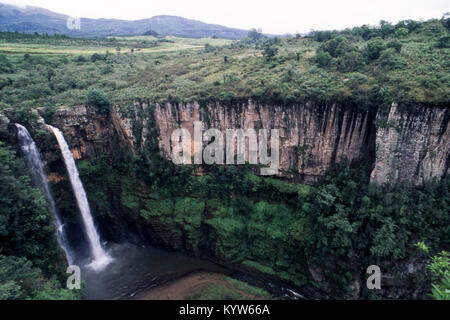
[[275, 16]]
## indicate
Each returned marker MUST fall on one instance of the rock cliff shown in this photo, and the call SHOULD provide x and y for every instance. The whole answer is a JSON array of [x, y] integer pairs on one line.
[[411, 144]]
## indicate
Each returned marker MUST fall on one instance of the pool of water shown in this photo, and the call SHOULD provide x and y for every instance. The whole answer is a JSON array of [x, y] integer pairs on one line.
[[135, 269]]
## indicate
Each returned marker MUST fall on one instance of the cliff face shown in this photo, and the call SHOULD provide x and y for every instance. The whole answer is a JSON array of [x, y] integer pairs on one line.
[[312, 139], [409, 145], [412, 145], [89, 133]]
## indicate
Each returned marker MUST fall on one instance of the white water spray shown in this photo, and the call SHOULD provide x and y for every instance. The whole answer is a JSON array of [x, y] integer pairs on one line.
[[31, 152], [100, 257]]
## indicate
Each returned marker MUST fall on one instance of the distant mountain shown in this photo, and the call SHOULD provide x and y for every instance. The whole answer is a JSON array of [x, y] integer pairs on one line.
[[33, 19]]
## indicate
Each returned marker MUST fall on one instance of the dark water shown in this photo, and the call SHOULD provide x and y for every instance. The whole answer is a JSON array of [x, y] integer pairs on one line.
[[135, 269]]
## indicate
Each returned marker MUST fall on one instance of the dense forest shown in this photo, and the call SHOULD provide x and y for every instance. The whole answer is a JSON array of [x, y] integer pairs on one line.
[[272, 226]]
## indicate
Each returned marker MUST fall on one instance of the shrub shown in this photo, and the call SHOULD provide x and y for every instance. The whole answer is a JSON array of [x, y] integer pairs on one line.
[[351, 61], [322, 59], [107, 69], [99, 99], [374, 48], [323, 36], [336, 47], [401, 33], [5, 65], [80, 59], [395, 44], [391, 60], [443, 42], [97, 57], [270, 51]]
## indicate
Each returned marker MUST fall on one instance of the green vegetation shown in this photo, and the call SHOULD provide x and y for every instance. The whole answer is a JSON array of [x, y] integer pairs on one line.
[[99, 99], [31, 263], [276, 227], [440, 269], [372, 67]]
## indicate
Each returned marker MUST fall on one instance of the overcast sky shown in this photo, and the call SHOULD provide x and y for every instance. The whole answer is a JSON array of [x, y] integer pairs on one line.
[[275, 16]]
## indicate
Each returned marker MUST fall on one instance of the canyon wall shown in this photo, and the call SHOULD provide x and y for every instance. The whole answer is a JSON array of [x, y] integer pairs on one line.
[[312, 138], [412, 144], [400, 144]]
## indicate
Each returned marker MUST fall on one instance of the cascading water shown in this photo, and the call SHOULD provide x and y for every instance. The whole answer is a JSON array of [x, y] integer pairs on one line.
[[30, 150], [100, 257]]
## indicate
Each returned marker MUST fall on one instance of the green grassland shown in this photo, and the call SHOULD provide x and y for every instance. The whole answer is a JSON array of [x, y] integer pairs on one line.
[[368, 66], [12, 43]]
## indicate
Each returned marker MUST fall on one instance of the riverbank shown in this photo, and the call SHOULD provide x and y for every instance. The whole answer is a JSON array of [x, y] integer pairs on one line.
[[205, 286]]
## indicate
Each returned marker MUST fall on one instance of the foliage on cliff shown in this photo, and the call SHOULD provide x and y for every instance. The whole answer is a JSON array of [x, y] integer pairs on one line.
[[280, 229], [370, 66], [31, 263]]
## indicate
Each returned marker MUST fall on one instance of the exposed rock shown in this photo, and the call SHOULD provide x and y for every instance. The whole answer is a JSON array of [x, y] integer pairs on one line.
[[312, 138], [412, 145], [89, 133], [4, 121]]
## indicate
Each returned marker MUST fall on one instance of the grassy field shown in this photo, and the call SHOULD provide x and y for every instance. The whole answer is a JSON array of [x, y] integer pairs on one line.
[[126, 44], [187, 41], [368, 69]]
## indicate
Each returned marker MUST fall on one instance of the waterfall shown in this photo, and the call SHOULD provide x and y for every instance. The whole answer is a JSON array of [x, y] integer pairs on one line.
[[30, 150], [100, 257]]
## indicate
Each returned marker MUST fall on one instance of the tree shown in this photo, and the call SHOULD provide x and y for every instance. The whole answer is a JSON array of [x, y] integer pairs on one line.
[[20, 279], [374, 48], [97, 57], [391, 60], [322, 36], [386, 28], [322, 59], [208, 47], [254, 35], [351, 61], [395, 44], [270, 51], [336, 47], [443, 42], [5, 65], [99, 99], [401, 32]]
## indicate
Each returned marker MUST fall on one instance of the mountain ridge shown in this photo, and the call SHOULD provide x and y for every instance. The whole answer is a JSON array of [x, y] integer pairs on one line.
[[32, 19]]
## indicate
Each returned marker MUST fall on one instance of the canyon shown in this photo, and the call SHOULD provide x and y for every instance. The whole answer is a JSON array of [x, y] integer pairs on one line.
[[400, 144]]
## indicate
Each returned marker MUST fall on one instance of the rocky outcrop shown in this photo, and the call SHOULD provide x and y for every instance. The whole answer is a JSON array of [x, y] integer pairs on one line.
[[89, 133], [412, 145]]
